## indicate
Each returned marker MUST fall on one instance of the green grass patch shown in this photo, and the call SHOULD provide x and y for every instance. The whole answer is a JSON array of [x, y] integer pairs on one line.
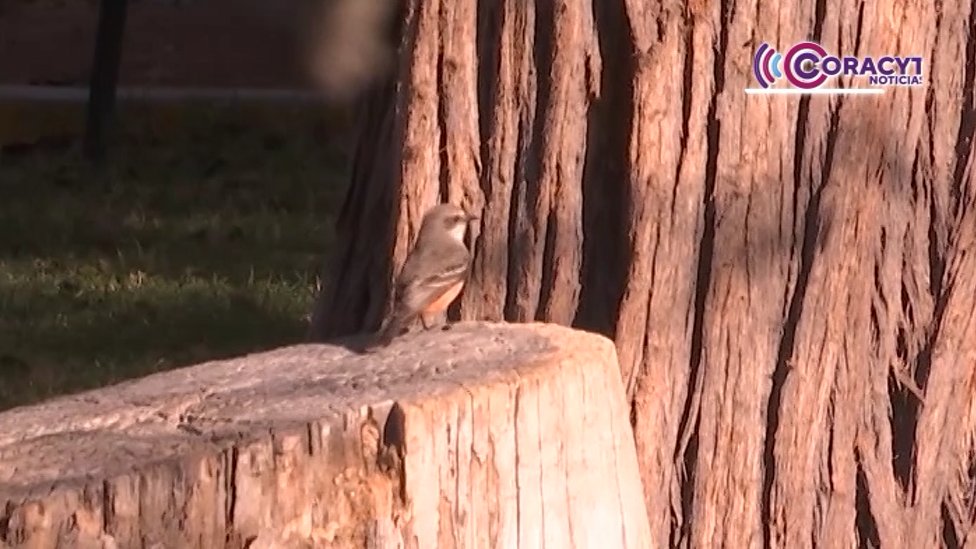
[[201, 240]]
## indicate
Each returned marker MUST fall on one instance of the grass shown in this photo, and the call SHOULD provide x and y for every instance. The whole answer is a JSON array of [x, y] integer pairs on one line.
[[203, 239]]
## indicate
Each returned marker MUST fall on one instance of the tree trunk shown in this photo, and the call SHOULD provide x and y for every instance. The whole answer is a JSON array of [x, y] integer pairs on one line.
[[790, 282], [104, 76]]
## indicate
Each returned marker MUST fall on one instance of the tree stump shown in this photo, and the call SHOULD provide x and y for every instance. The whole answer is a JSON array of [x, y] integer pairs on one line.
[[484, 435]]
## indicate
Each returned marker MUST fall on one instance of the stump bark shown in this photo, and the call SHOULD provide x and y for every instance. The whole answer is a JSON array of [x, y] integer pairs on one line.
[[481, 436]]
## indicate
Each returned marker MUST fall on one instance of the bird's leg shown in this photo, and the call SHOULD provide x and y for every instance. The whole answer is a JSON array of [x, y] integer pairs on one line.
[[431, 321]]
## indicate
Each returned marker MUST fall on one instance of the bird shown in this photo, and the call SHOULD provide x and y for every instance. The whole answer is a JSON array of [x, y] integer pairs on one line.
[[434, 273]]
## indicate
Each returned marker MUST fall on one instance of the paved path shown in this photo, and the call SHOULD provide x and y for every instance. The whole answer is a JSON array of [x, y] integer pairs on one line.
[[156, 94]]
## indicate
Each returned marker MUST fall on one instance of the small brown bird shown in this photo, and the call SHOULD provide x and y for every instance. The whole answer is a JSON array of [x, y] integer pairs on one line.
[[434, 273]]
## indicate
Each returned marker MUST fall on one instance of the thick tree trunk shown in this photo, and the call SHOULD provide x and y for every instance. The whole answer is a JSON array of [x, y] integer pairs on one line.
[[790, 282]]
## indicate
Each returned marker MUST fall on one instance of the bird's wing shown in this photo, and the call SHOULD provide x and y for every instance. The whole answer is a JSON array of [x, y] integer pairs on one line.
[[427, 275]]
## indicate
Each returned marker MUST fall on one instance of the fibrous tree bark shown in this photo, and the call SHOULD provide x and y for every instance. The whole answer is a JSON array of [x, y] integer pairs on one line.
[[790, 281]]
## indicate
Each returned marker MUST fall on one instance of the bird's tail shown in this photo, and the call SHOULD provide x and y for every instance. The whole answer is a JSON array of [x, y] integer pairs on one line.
[[390, 330]]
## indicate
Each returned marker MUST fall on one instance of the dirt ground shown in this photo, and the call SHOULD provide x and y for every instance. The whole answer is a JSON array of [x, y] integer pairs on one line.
[[185, 43]]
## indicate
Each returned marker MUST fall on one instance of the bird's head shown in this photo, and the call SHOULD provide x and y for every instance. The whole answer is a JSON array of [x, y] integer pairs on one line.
[[448, 218]]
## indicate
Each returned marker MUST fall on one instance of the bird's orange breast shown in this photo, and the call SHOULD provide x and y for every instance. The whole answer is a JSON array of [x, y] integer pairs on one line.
[[442, 302]]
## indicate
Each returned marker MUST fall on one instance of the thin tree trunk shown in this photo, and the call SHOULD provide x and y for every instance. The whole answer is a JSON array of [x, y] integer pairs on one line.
[[104, 76], [790, 282]]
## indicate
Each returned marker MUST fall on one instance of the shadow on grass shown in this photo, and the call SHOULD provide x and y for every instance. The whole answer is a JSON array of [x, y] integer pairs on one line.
[[200, 241], [70, 341]]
